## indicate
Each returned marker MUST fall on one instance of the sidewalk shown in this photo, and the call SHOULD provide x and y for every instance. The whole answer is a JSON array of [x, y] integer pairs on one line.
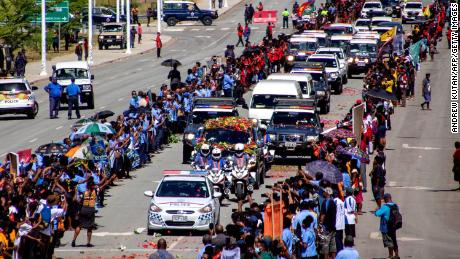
[[100, 57]]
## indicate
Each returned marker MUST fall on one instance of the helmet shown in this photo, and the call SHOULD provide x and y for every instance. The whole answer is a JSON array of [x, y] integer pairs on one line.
[[263, 127], [239, 148], [216, 154], [205, 150]]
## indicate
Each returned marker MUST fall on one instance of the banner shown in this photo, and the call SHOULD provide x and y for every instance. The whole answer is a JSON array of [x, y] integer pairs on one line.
[[357, 118], [24, 156], [98, 150], [388, 35], [265, 16], [306, 8]]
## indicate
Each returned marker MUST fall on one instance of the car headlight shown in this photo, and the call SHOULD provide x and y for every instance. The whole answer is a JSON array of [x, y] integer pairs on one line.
[[312, 138], [350, 60], [334, 74], [320, 93], [206, 209], [101, 37], [290, 58], [190, 136], [301, 53], [118, 37], [356, 59], [251, 162], [86, 87], [272, 136], [155, 208], [366, 60]]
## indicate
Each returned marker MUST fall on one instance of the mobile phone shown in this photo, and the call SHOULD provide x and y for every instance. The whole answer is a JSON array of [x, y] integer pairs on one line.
[[263, 195]]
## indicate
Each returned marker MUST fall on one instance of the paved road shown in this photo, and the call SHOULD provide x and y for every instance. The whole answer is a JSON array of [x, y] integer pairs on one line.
[[411, 168]]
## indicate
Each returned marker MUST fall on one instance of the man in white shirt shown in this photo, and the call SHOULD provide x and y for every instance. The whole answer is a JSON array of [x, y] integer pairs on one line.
[[351, 217], [339, 222]]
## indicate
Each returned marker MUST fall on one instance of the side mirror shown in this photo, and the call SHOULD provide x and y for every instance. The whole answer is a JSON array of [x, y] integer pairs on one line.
[[92, 77], [217, 195], [148, 194], [34, 88]]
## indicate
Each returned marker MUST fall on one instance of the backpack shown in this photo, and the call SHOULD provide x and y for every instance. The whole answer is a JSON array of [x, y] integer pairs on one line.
[[46, 216], [395, 221]]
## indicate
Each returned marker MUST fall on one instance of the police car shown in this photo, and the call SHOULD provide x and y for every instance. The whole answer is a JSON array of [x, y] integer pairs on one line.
[[204, 109], [371, 7], [362, 53], [299, 49], [340, 53], [332, 65], [294, 126], [412, 11], [17, 97], [183, 200]]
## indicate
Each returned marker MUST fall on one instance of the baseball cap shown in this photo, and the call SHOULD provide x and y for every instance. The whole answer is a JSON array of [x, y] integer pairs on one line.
[[328, 190], [387, 196]]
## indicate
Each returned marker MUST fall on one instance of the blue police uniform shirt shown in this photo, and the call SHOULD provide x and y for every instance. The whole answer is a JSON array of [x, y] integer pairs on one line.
[[228, 82], [73, 90], [308, 237], [54, 89], [288, 239], [134, 102]]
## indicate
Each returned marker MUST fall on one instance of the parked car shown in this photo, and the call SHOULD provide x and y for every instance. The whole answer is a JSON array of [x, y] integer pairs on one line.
[[178, 11], [101, 15]]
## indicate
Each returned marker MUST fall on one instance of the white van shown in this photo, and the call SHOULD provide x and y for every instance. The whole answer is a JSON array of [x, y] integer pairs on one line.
[[80, 70], [265, 94], [305, 82]]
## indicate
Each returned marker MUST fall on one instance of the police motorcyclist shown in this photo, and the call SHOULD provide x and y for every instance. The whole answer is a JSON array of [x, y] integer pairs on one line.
[[201, 159], [240, 158], [216, 161], [263, 133]]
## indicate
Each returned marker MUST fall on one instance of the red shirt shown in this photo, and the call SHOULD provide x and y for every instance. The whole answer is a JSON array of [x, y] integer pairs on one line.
[[260, 7], [240, 31], [158, 42]]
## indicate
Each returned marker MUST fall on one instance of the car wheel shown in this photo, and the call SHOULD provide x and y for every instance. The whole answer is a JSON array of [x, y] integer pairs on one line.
[[323, 108], [328, 106], [100, 46], [150, 232], [345, 79], [207, 21], [186, 154], [121, 46], [349, 74], [106, 46], [31, 114], [91, 102], [171, 21]]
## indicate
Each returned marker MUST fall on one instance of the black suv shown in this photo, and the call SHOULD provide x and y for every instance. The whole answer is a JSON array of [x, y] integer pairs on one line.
[[321, 86], [112, 34], [294, 127], [101, 15], [178, 11]]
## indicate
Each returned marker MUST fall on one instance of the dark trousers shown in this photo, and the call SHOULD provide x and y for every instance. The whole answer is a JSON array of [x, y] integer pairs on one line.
[[285, 22], [228, 92], [158, 52], [240, 40], [72, 102], [148, 21], [54, 107], [221, 3], [339, 240]]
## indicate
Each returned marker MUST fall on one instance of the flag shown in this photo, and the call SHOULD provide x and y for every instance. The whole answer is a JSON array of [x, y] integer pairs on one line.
[[414, 51], [306, 8], [388, 35], [426, 11]]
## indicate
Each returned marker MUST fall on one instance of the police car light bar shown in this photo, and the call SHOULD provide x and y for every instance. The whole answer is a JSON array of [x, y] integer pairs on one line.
[[184, 172], [214, 106]]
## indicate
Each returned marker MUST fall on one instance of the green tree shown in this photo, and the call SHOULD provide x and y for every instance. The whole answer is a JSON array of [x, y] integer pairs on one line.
[[15, 25]]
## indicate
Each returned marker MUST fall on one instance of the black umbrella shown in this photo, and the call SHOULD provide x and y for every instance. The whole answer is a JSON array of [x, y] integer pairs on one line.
[[171, 62], [103, 114], [330, 171], [381, 94], [51, 149]]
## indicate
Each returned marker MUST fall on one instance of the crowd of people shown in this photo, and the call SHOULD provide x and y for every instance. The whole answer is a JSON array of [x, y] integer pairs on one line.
[[304, 216]]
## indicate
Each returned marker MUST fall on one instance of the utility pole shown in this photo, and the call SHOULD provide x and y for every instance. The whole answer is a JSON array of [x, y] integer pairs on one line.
[[43, 7], [90, 31], [128, 27], [118, 10], [159, 9], [122, 7], [225, 3]]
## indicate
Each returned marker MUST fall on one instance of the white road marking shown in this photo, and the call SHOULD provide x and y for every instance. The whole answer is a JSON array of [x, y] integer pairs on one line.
[[121, 99], [203, 36], [139, 69], [33, 140], [118, 250], [391, 184], [102, 107], [416, 188], [210, 29], [225, 29], [156, 181], [219, 39], [378, 235], [103, 234], [255, 28], [174, 29], [176, 242], [60, 127], [195, 29], [421, 148]]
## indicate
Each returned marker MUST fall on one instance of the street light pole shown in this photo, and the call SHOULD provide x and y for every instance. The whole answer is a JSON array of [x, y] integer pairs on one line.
[[225, 3], [118, 10], [43, 7], [159, 3], [210, 4], [90, 32], [128, 27], [122, 7]]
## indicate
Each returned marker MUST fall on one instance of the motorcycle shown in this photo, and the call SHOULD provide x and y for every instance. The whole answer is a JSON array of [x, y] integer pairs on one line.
[[218, 179], [199, 167], [242, 181]]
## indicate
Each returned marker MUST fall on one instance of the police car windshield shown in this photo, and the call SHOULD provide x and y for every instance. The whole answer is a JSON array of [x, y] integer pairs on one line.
[[266, 101], [359, 47], [339, 43], [183, 189], [413, 6], [372, 5], [316, 76], [363, 22], [201, 116], [12, 87], [227, 136], [113, 28], [299, 119], [68, 73], [308, 46], [328, 62], [377, 22]]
